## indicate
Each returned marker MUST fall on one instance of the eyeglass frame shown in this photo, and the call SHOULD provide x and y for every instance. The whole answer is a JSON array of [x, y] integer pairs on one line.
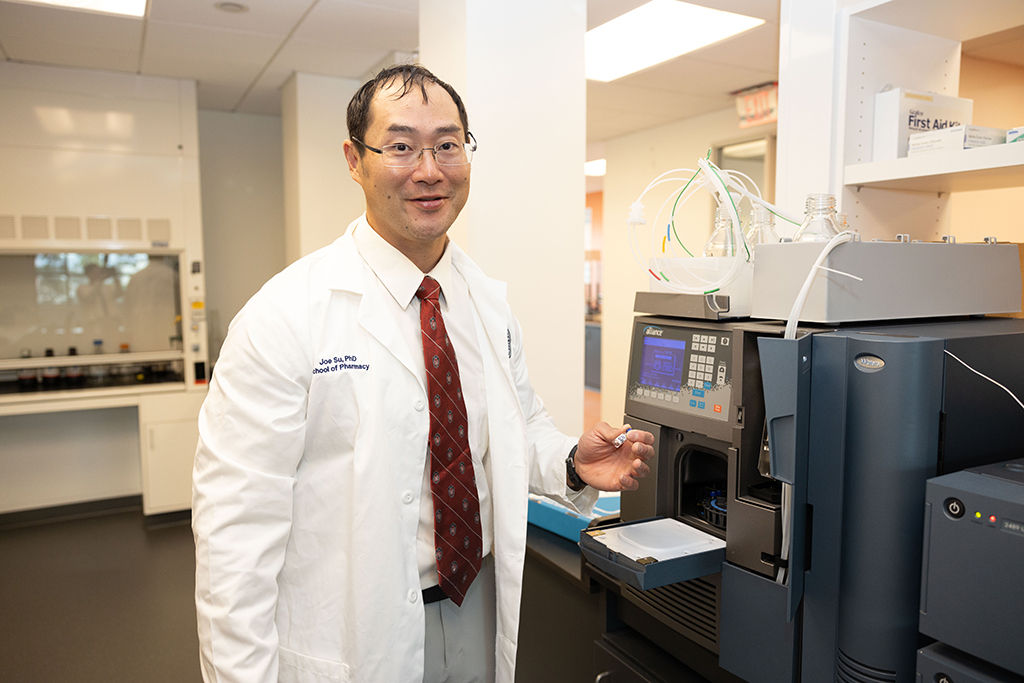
[[470, 148]]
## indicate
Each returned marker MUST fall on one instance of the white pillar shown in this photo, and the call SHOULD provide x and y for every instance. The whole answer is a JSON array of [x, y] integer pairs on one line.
[[320, 197], [808, 128], [519, 68]]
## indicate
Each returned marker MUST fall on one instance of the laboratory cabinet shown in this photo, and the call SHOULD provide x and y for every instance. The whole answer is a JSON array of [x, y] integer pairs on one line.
[[102, 276], [169, 432], [560, 615]]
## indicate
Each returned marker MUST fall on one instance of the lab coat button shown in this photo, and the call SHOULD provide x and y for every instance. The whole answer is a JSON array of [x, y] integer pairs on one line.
[[418, 405], [414, 596], [407, 497]]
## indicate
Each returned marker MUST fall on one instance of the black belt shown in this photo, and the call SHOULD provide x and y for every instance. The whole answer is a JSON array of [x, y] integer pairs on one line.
[[433, 594]]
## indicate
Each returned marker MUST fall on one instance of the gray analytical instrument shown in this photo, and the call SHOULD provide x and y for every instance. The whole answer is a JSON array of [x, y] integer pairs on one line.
[[808, 458], [972, 574]]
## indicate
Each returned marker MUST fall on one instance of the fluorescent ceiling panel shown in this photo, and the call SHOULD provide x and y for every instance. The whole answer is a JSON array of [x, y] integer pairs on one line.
[[656, 32], [597, 167], [128, 8]]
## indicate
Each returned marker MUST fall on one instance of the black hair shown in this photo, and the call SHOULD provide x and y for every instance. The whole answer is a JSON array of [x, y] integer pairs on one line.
[[412, 76]]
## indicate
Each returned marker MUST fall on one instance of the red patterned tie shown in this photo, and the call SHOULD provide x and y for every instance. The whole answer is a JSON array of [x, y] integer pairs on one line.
[[457, 537]]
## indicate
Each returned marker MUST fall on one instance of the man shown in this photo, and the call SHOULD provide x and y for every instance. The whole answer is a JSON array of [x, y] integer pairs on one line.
[[368, 443]]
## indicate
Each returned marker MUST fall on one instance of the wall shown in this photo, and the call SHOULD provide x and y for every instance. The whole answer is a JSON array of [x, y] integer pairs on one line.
[[998, 93], [634, 161], [242, 178]]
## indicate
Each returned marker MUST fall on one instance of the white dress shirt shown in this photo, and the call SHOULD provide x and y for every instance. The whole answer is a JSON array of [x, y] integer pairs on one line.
[[400, 278]]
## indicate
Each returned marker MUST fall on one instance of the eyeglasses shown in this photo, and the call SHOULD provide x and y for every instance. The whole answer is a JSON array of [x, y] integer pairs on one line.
[[403, 155]]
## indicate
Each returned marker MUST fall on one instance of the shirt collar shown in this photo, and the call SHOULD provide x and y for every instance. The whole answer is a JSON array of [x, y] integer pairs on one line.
[[397, 273]]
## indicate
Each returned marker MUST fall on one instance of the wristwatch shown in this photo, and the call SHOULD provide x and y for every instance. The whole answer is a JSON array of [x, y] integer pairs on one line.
[[575, 483]]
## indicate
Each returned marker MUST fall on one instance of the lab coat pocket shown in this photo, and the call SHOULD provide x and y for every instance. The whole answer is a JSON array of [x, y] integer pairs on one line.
[[300, 668]]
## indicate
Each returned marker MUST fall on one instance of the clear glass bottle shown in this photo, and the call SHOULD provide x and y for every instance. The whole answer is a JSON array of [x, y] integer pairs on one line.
[[723, 240], [98, 373], [762, 226], [820, 223]]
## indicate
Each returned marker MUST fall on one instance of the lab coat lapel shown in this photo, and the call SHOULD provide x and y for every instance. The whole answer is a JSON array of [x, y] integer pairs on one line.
[[353, 275], [488, 297]]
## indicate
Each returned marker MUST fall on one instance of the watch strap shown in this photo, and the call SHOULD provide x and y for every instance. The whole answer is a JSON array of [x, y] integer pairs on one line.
[[575, 483]]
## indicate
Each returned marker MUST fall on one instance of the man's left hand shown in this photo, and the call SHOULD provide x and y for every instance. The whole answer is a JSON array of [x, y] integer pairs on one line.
[[607, 468]]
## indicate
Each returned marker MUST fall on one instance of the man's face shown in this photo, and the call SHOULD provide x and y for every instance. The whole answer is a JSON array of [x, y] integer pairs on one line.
[[412, 208]]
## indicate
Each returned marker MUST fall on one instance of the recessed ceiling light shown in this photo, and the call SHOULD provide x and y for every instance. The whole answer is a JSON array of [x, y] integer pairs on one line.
[[231, 7], [127, 8], [597, 167], [654, 33]]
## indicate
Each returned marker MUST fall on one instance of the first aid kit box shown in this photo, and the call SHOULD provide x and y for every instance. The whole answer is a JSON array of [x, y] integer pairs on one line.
[[900, 112]]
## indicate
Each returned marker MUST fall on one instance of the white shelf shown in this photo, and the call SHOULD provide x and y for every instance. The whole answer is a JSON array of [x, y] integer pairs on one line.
[[140, 358], [985, 168], [30, 403], [953, 19]]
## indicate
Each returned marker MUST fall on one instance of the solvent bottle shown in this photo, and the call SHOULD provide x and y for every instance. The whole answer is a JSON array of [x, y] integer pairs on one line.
[[73, 374], [51, 374], [820, 223], [723, 240], [28, 378], [762, 226], [97, 373]]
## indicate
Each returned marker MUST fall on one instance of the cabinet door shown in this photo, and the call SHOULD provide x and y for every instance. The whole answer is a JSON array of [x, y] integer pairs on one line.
[[168, 432], [168, 454]]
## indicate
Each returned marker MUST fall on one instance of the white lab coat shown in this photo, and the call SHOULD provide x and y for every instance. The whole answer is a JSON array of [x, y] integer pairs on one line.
[[307, 485]]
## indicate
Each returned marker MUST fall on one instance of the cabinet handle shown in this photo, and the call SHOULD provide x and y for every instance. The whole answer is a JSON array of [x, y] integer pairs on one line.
[[603, 676]]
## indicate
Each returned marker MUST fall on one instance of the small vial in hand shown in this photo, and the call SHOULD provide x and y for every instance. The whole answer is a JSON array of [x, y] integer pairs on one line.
[[620, 439]]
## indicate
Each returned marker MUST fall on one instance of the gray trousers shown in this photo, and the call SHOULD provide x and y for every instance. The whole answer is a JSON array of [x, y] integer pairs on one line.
[[460, 640]]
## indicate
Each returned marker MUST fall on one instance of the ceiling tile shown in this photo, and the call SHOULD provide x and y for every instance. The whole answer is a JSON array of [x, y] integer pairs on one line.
[[272, 17], [48, 35], [205, 53], [379, 27], [325, 59]]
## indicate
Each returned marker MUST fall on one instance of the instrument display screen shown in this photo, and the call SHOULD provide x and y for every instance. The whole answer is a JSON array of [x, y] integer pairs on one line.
[[662, 363]]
